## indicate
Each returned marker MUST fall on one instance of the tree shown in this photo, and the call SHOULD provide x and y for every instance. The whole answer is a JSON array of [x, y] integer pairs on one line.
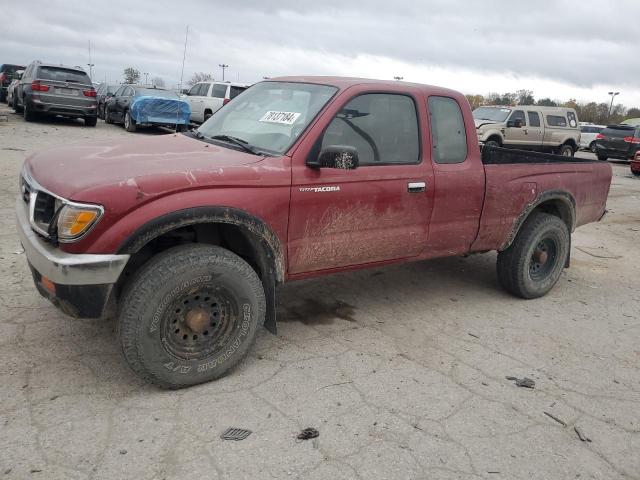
[[524, 97], [633, 113], [157, 81], [475, 101], [199, 77], [131, 75], [546, 102]]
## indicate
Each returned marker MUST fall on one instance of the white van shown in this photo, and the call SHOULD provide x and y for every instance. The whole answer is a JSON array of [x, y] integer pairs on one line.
[[207, 97], [588, 134]]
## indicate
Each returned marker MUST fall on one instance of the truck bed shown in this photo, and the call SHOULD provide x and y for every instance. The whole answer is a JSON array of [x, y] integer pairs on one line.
[[517, 181]]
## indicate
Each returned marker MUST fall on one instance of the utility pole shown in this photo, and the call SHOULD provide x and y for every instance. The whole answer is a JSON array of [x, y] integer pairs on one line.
[[398, 78], [223, 66], [146, 78], [90, 65], [613, 95]]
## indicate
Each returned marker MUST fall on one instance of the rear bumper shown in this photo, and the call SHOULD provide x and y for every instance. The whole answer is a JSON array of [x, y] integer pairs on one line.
[[78, 284], [614, 153], [62, 109]]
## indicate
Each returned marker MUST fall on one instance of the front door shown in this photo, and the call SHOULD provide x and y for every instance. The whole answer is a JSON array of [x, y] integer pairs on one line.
[[379, 211], [516, 136]]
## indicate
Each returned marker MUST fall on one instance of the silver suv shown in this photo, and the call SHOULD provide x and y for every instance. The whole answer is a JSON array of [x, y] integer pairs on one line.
[[56, 90]]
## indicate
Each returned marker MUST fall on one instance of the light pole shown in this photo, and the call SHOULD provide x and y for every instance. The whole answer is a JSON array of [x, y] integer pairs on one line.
[[146, 78], [398, 78], [223, 66], [613, 95], [91, 65]]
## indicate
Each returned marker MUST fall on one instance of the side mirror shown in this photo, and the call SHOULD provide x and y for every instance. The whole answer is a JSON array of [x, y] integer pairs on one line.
[[343, 157]]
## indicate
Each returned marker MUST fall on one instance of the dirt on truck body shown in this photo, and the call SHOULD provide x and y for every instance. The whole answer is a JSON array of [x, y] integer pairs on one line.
[[187, 236]]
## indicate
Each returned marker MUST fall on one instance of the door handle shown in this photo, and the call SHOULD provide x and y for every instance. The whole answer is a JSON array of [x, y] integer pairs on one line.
[[415, 187]]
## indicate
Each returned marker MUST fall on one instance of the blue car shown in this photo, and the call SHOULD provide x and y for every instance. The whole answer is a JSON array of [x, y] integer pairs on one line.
[[139, 106]]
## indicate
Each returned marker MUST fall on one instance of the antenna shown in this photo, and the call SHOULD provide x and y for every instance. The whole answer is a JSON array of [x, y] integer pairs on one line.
[[184, 56]]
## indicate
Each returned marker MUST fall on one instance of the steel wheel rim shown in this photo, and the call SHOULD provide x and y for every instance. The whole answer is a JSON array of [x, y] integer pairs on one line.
[[543, 259], [200, 323]]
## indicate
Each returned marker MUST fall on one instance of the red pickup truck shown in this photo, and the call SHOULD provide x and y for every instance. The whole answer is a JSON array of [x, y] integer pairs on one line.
[[187, 236]]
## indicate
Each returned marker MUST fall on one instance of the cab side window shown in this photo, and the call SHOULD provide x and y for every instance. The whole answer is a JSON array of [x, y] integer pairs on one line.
[[534, 119], [383, 127], [518, 115], [449, 137]]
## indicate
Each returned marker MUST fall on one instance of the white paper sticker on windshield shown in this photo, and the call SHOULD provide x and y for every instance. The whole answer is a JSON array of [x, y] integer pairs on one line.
[[505, 110], [286, 118]]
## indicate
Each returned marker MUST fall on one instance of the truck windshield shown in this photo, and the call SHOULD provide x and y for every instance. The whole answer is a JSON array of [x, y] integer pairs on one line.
[[491, 114], [269, 116]]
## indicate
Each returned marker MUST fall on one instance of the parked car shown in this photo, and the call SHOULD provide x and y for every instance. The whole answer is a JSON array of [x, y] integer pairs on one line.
[[6, 76], [188, 235], [588, 134], [17, 75], [47, 89], [142, 106], [104, 91], [618, 141], [205, 98], [635, 164], [530, 127]]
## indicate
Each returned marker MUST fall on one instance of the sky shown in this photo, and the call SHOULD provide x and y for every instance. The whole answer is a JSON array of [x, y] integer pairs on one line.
[[560, 49]]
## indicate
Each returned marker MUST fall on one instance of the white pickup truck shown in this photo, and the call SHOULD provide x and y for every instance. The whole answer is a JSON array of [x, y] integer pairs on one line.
[[207, 97]]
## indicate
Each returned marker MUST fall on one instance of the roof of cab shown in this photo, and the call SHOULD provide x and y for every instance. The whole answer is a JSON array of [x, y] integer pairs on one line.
[[346, 82]]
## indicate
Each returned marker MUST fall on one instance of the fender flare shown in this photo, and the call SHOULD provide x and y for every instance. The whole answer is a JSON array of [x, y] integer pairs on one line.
[[563, 200], [270, 256]]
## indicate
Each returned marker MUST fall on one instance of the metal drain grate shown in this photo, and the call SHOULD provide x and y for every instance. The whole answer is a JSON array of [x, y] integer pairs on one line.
[[233, 433]]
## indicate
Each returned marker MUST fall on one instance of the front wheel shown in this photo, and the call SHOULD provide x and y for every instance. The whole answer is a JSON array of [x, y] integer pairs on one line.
[[107, 115], [602, 157], [129, 124], [16, 107], [189, 315], [532, 265], [492, 143]]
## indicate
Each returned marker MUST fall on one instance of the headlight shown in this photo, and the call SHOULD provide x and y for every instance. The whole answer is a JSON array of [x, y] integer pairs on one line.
[[75, 219]]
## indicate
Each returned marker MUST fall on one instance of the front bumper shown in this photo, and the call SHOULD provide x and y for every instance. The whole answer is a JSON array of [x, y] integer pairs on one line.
[[81, 282]]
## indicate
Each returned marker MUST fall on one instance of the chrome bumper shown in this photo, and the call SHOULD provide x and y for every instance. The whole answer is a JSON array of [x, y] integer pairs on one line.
[[65, 268]]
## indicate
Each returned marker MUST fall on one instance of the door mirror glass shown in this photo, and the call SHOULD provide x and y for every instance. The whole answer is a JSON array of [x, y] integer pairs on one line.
[[342, 157]]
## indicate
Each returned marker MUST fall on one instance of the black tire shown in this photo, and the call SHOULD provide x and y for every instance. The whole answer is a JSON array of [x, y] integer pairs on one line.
[[532, 265], [16, 107], [592, 147], [207, 115], [180, 128], [29, 116], [566, 150], [90, 121], [154, 332], [107, 115], [602, 157], [492, 143], [129, 123], [3, 95], [100, 112]]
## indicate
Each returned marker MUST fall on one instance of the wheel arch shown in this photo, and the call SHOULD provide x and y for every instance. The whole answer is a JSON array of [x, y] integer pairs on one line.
[[556, 202], [240, 232]]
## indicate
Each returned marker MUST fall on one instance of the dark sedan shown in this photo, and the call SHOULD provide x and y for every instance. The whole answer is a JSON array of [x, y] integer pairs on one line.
[[103, 92], [618, 141]]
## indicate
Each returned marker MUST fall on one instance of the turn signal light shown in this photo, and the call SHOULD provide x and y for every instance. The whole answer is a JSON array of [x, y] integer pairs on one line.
[[75, 220]]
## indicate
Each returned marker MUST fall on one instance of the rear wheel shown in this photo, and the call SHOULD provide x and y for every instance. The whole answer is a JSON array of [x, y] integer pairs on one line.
[[532, 265], [566, 150], [189, 315], [207, 115], [129, 124], [28, 114], [592, 147], [90, 121], [602, 157]]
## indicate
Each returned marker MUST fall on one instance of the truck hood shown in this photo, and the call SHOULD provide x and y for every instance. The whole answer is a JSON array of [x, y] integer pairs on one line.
[[480, 123], [149, 165]]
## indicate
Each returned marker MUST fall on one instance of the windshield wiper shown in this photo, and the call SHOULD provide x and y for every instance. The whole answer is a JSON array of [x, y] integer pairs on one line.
[[236, 141]]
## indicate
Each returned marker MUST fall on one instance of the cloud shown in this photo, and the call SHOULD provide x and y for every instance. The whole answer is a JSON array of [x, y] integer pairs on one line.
[[556, 48]]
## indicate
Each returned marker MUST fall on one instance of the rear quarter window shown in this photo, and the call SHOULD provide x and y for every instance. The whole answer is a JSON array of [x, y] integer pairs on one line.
[[219, 90], [448, 134]]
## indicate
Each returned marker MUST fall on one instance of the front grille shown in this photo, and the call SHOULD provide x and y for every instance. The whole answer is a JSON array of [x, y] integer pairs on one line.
[[44, 208]]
